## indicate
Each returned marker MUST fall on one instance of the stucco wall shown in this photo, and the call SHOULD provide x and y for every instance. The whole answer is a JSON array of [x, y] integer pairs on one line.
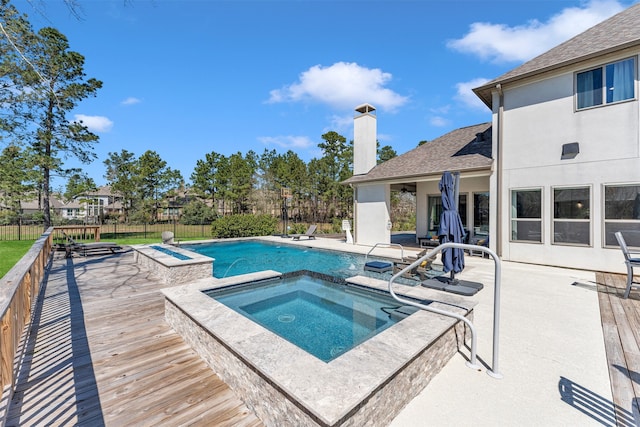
[[538, 119], [372, 215]]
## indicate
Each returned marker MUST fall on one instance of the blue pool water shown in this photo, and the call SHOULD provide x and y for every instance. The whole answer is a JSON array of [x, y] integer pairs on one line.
[[240, 257], [170, 252], [323, 318]]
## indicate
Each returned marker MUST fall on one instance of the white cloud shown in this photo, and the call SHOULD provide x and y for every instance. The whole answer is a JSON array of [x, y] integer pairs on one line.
[[342, 85], [131, 101], [287, 141], [439, 121], [500, 43], [464, 93], [95, 123]]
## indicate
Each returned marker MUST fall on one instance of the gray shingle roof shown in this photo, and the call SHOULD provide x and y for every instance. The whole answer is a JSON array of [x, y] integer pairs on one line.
[[616, 33], [458, 150]]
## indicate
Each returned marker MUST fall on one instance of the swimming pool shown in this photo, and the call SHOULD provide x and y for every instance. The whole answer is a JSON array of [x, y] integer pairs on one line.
[[321, 317], [249, 256]]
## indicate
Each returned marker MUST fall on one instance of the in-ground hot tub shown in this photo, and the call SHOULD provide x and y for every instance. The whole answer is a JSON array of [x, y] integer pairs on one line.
[[285, 385], [173, 264]]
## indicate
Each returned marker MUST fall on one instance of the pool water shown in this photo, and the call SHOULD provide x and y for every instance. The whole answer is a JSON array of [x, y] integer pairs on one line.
[[241, 257], [323, 318], [170, 252]]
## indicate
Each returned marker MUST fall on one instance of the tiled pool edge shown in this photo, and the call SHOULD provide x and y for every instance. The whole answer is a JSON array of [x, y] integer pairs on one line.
[[173, 270], [276, 406]]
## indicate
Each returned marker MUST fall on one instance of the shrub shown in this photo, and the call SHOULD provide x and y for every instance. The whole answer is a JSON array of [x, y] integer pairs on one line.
[[243, 226]]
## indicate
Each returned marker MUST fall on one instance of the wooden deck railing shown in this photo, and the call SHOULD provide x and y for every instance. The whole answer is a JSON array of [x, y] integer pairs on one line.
[[18, 290]]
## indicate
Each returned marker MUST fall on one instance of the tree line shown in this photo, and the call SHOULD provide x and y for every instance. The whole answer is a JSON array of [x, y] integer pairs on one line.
[[268, 183]]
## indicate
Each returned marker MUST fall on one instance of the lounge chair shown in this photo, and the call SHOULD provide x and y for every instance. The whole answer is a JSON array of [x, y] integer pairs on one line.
[[419, 270], [308, 233], [631, 261], [85, 249]]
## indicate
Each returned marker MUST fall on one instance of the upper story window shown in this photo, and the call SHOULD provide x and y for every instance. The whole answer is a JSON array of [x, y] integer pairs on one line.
[[605, 85]]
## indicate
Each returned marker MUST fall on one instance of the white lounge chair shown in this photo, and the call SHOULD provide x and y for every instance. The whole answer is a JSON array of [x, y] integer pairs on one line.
[[308, 233], [631, 260]]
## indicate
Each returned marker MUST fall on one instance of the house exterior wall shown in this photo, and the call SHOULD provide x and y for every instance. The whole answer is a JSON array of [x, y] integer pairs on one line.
[[372, 218], [538, 119]]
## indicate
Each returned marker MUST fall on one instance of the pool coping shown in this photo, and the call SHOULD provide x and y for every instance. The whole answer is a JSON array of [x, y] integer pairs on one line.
[[329, 392]]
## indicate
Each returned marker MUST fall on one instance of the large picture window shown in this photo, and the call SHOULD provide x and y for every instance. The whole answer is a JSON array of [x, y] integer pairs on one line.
[[572, 216], [526, 215], [434, 209], [622, 213], [605, 85]]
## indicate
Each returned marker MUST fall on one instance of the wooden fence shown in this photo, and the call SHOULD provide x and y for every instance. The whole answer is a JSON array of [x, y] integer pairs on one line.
[[19, 289]]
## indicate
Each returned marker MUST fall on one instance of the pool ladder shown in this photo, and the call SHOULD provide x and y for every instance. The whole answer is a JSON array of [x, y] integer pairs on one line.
[[472, 362], [389, 245]]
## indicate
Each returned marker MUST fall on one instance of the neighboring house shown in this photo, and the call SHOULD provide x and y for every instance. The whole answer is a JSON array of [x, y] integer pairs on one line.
[[92, 207], [566, 156], [34, 206], [72, 211]]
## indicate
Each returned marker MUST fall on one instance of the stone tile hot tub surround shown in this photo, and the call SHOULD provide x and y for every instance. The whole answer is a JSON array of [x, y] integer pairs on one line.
[[284, 385], [173, 270]]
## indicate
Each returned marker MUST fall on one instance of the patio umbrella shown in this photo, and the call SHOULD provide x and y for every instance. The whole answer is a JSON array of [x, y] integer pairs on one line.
[[451, 228]]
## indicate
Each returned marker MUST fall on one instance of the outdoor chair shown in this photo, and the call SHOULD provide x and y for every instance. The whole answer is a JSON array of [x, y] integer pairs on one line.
[[308, 234], [419, 270], [85, 249], [631, 259]]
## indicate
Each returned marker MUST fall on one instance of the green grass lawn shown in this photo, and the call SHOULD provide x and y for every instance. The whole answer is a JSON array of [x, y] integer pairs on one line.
[[11, 252]]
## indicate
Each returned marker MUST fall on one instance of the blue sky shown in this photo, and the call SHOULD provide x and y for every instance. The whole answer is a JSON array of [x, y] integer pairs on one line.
[[185, 78]]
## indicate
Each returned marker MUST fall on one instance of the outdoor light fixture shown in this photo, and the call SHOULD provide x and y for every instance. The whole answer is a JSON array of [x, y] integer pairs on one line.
[[570, 150]]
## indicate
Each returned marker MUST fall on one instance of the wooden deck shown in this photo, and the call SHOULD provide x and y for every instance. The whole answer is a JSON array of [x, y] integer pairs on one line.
[[621, 329], [99, 353]]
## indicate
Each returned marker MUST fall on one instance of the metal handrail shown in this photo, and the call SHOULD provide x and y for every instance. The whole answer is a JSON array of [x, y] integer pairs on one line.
[[388, 245], [472, 363]]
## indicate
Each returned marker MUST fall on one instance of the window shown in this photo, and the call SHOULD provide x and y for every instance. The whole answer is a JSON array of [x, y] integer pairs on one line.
[[434, 209], [481, 214], [622, 213], [572, 216], [605, 85], [526, 215]]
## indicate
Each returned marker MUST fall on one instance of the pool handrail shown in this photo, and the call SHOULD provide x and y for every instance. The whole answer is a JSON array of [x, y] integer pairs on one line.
[[472, 362], [387, 245]]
